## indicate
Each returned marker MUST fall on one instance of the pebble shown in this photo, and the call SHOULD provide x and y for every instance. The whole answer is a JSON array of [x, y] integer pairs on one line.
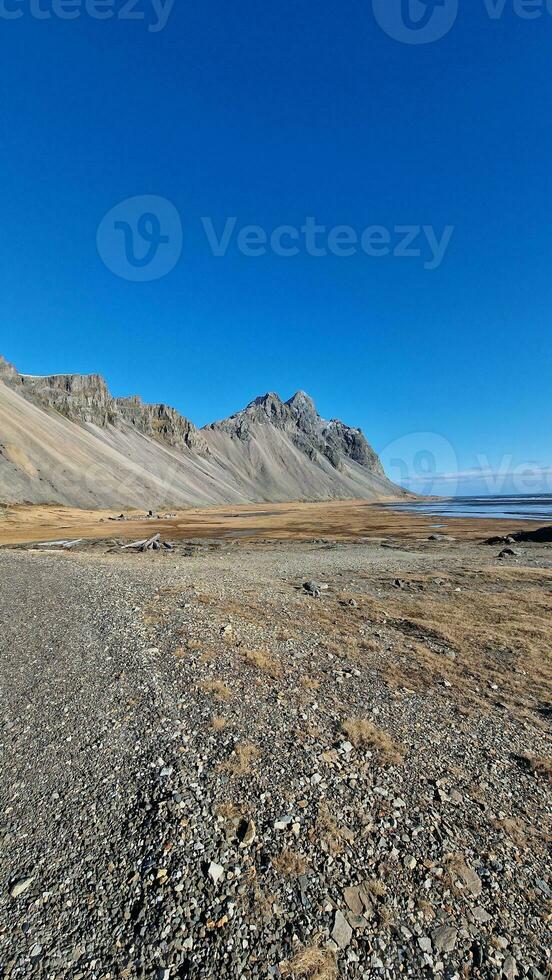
[[444, 938], [509, 968], [215, 872], [341, 932], [21, 886]]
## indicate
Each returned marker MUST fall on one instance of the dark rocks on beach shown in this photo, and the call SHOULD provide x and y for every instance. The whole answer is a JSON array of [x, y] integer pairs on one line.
[[541, 535]]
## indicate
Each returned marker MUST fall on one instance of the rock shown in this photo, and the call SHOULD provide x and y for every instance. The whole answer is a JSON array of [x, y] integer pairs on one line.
[[541, 534], [314, 588], [507, 553], [424, 942], [353, 900], [481, 915], [341, 932], [444, 938], [246, 832], [509, 968], [21, 886], [215, 872], [471, 879]]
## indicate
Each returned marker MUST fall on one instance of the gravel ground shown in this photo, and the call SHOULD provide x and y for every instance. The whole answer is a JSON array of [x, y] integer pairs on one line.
[[209, 772]]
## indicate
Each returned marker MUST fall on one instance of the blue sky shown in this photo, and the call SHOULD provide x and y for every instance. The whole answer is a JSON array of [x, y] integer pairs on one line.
[[271, 113]]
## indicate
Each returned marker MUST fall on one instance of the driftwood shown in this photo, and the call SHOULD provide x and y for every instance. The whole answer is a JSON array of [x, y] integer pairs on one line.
[[58, 544], [147, 544]]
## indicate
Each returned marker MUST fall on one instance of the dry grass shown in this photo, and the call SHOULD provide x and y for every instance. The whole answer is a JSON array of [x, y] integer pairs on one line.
[[180, 653], [362, 733], [386, 917], [218, 722], [497, 625], [289, 863], [427, 910], [336, 519], [311, 963], [207, 657], [240, 761], [219, 690], [538, 764], [262, 660], [476, 628], [515, 829], [375, 888], [194, 645], [524, 833], [327, 830], [230, 811], [311, 683]]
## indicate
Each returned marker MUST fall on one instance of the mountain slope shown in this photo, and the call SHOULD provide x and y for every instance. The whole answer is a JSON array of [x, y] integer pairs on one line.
[[65, 439]]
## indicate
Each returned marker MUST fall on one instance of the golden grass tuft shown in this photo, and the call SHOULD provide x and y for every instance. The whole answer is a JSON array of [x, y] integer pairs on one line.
[[179, 653], [218, 722], [219, 690], [262, 660], [230, 811], [330, 832], [311, 683], [311, 963], [240, 761], [375, 888], [289, 863], [362, 733]]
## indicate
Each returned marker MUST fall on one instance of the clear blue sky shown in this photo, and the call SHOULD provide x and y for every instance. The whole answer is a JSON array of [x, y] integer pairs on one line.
[[272, 112]]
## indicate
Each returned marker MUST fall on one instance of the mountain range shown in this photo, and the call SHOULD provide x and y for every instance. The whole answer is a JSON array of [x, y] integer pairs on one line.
[[65, 439]]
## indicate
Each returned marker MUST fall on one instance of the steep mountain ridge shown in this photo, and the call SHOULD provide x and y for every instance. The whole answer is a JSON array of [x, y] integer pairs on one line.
[[64, 438], [308, 431], [86, 398]]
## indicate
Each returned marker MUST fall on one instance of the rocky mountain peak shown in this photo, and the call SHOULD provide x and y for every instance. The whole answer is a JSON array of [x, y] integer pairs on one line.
[[269, 405], [301, 402], [298, 418]]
